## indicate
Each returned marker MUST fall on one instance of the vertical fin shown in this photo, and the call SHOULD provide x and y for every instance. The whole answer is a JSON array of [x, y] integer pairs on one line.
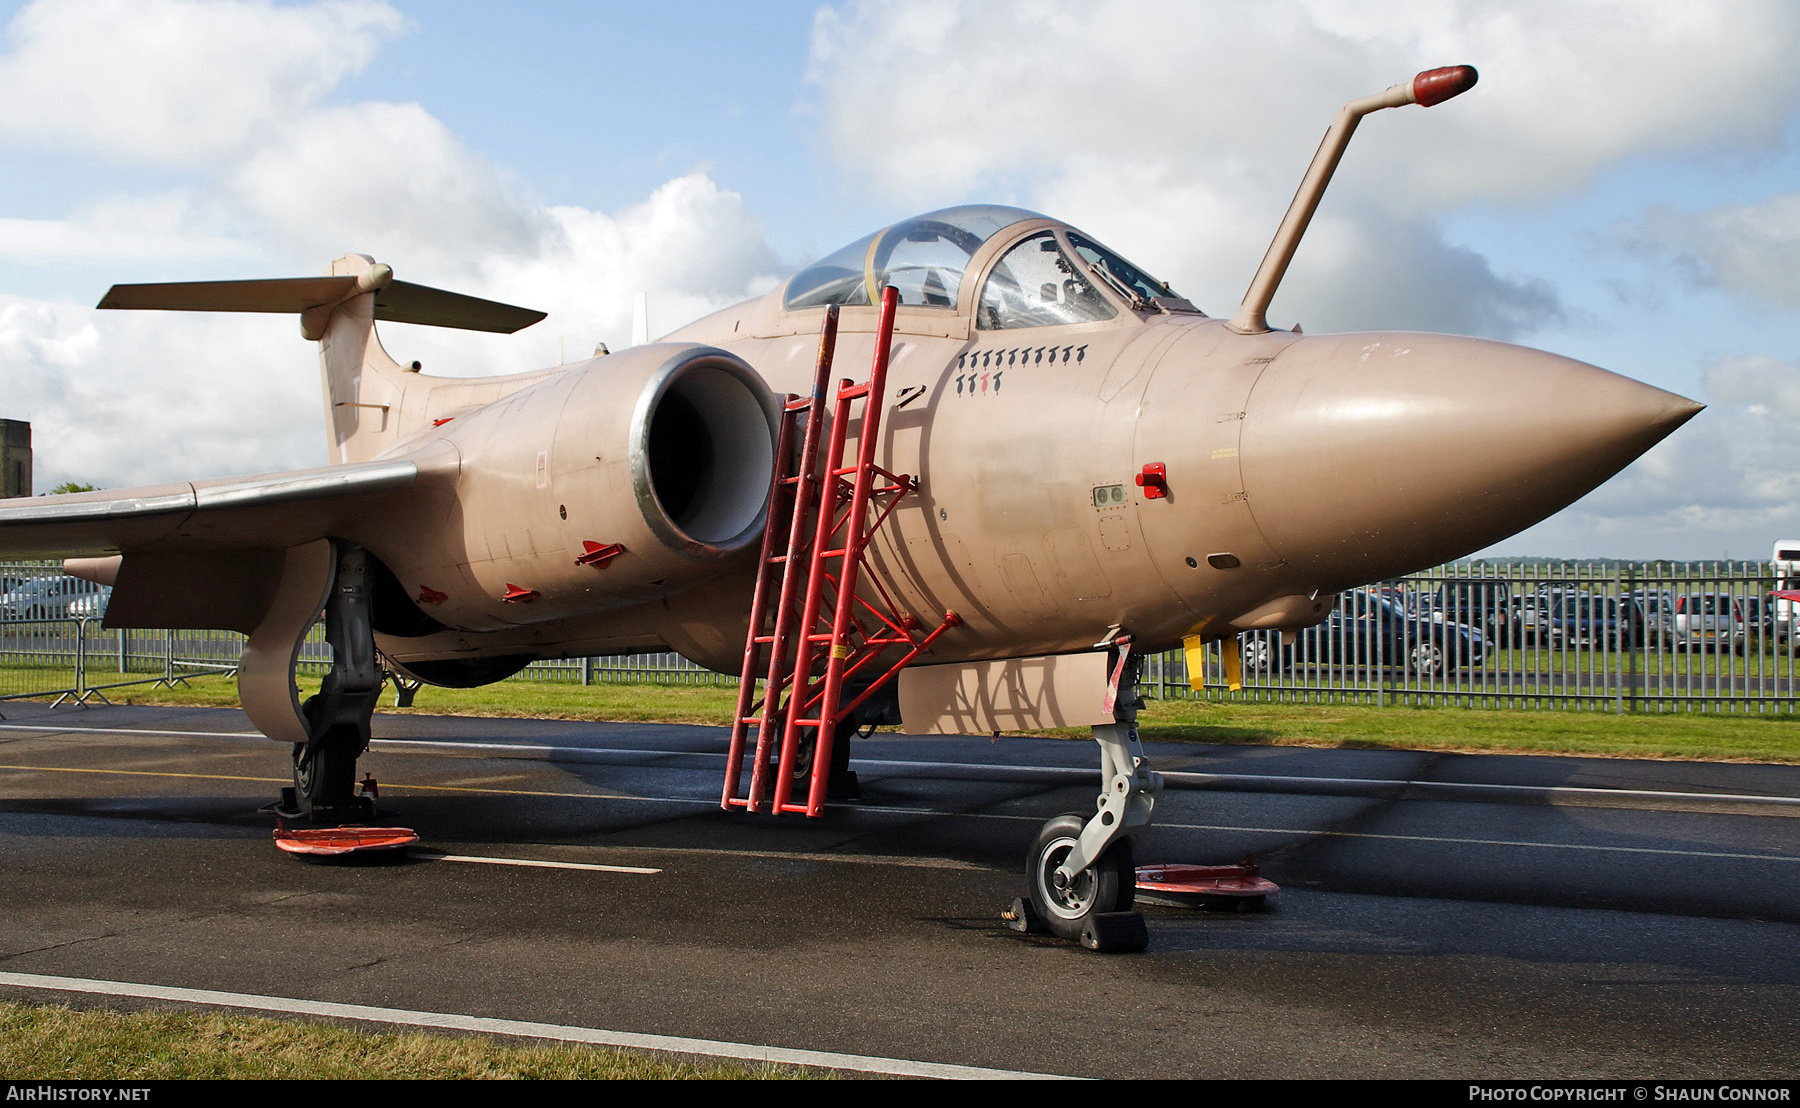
[[363, 384]]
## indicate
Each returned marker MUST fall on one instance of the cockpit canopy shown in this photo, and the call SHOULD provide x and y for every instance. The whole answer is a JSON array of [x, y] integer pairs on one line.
[[1049, 278]]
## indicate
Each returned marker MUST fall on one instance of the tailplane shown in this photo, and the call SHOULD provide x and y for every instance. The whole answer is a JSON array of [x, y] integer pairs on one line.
[[363, 384]]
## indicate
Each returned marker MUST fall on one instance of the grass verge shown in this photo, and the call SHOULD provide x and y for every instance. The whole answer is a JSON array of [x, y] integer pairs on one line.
[[1708, 736], [59, 1043]]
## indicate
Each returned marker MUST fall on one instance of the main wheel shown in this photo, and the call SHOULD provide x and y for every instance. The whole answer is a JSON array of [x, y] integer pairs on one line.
[[325, 782], [1109, 885]]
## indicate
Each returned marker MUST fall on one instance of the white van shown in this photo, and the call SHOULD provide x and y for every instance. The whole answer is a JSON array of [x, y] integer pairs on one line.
[[1785, 561]]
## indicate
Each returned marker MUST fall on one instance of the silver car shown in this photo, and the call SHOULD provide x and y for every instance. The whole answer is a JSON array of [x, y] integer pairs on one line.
[[1708, 621]]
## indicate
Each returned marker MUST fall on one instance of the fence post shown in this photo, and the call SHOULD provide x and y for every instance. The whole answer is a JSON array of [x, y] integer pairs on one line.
[[587, 671], [80, 659]]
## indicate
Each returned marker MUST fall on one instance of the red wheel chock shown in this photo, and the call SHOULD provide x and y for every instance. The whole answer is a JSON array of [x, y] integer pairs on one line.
[[343, 840], [1240, 887]]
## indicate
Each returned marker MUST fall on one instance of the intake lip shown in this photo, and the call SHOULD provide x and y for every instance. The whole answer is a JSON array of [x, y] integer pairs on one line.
[[702, 452]]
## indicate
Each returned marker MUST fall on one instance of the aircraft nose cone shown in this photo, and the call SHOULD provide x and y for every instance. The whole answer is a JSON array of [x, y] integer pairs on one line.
[[1368, 456]]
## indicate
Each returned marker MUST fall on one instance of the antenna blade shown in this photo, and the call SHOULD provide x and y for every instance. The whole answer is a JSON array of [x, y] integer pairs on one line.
[[640, 319], [404, 302], [281, 294]]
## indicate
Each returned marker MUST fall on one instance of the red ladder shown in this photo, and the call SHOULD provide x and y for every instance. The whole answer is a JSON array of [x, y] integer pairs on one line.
[[797, 705]]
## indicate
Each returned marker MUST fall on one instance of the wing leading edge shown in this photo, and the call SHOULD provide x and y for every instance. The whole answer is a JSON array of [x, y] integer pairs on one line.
[[276, 510]]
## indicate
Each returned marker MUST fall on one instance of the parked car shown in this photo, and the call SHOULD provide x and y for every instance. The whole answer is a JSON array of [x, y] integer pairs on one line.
[[1579, 619], [90, 605], [1708, 621], [1656, 607], [47, 597], [1364, 627], [1482, 602], [1759, 620]]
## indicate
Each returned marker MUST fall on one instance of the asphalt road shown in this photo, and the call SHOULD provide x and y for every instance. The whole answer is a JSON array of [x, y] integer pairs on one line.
[[1440, 915]]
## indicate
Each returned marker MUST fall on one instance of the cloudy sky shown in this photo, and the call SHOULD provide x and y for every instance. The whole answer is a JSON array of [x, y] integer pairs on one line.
[[1622, 187]]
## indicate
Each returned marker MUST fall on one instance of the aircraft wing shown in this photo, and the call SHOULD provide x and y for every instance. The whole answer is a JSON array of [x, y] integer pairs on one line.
[[275, 510]]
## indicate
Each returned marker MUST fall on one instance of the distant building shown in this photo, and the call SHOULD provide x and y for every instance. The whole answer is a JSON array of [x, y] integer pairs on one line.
[[15, 457]]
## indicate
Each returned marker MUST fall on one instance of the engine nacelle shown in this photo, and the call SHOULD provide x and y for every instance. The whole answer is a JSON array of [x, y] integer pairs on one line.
[[623, 479]]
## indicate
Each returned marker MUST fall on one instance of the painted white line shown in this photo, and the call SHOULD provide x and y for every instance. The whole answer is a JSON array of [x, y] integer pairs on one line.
[[710, 1048], [1596, 847], [533, 863], [132, 731], [1183, 777], [1192, 779], [1176, 777]]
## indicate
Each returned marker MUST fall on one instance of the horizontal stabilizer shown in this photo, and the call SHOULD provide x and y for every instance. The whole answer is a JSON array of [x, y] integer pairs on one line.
[[283, 294], [405, 302], [397, 302]]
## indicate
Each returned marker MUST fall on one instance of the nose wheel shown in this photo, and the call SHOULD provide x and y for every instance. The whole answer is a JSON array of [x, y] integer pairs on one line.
[[1080, 876], [1068, 905]]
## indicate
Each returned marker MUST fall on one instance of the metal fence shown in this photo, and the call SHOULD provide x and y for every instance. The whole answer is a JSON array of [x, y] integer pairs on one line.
[[1621, 638]]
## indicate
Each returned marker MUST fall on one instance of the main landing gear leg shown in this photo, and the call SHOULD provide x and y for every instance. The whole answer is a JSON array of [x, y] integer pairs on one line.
[[1081, 873], [337, 719]]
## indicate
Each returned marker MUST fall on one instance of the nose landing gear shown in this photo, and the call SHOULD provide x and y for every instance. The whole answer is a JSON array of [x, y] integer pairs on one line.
[[1081, 876]]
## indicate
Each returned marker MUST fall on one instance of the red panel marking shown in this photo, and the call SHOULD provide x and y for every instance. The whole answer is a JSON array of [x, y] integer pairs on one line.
[[429, 595], [599, 555], [441, 422]]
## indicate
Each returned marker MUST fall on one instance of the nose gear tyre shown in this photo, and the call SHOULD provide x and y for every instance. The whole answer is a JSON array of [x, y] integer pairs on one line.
[[1107, 886]]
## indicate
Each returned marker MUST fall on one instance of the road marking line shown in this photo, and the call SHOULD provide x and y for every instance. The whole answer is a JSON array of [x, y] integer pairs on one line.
[[711, 1048], [1488, 842], [152, 773], [888, 810], [434, 856], [1193, 778], [1178, 777], [131, 731]]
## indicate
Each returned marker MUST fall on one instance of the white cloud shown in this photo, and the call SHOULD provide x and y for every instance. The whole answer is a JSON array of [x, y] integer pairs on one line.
[[131, 398], [1746, 248], [939, 95], [122, 398], [175, 80], [691, 247], [1178, 130], [388, 180], [173, 227]]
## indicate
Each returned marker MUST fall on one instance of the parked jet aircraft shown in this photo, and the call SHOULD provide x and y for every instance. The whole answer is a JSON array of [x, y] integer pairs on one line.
[[1097, 461]]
